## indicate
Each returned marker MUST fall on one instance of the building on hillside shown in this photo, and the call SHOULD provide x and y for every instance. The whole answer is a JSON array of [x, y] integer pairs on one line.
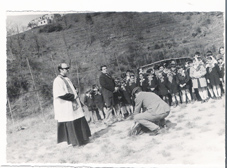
[[43, 20]]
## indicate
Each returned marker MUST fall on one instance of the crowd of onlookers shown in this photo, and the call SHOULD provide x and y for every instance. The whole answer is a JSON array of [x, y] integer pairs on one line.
[[199, 79]]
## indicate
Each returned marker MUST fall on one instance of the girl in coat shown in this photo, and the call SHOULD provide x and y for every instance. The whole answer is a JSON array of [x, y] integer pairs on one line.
[[213, 77], [183, 81], [197, 74], [89, 102], [163, 88], [152, 83], [221, 67], [98, 100], [131, 84], [187, 66], [173, 86], [126, 95], [142, 82]]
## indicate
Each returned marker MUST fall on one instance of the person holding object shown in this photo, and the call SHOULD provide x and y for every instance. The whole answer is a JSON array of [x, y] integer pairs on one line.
[[72, 126], [150, 111], [108, 88]]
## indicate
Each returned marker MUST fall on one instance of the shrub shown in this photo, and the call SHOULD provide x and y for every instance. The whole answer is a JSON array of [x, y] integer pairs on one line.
[[46, 92], [198, 30], [89, 19], [188, 17], [51, 28], [92, 39], [208, 21], [157, 46], [16, 85], [194, 34]]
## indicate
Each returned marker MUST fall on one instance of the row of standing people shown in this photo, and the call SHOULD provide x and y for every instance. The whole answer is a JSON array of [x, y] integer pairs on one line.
[[97, 108], [178, 84], [199, 79]]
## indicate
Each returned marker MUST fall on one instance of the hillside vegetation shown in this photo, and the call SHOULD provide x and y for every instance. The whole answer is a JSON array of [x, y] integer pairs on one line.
[[85, 41]]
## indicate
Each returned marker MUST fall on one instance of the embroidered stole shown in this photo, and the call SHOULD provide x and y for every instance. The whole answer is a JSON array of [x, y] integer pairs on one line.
[[76, 102]]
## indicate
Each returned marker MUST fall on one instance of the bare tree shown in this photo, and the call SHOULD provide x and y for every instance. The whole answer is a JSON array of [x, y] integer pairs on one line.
[[11, 28]]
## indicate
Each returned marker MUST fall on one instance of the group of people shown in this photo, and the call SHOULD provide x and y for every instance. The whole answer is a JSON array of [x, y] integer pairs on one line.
[[198, 79], [144, 96]]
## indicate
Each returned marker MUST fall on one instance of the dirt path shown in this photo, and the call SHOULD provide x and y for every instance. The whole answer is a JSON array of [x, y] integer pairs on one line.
[[195, 135]]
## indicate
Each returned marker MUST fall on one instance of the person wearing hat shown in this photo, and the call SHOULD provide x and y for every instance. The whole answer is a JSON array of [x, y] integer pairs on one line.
[[154, 110]]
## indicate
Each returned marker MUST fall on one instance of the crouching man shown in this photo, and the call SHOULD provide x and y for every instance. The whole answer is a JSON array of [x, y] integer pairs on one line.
[[150, 111]]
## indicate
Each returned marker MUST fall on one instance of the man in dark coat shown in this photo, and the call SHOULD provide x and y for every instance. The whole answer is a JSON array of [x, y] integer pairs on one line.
[[108, 87]]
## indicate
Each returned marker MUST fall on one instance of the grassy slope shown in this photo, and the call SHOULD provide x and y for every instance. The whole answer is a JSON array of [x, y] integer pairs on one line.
[[196, 135], [133, 38], [118, 32], [198, 129]]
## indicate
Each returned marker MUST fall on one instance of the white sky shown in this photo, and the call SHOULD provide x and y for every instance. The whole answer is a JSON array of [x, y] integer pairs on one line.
[[28, 7], [21, 13]]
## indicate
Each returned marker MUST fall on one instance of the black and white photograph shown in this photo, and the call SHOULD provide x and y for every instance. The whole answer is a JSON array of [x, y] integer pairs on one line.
[[109, 87]]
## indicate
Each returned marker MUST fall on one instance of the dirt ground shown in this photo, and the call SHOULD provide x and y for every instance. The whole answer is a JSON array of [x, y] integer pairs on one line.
[[195, 135]]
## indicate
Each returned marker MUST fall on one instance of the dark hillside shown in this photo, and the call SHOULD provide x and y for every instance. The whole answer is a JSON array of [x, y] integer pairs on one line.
[[120, 40]]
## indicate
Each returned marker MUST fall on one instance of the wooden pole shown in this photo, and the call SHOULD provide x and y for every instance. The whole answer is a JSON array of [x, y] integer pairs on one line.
[[104, 55], [11, 113], [33, 81], [77, 71], [53, 64], [117, 62], [77, 75], [67, 51]]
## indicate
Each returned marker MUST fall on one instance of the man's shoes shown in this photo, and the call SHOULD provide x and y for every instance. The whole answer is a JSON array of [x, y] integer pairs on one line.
[[155, 132], [108, 123], [135, 129]]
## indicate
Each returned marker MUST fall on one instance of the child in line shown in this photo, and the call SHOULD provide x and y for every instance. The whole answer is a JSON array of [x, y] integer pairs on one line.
[[197, 74], [213, 77], [163, 89], [221, 68], [151, 82], [183, 79], [173, 85], [98, 100]]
